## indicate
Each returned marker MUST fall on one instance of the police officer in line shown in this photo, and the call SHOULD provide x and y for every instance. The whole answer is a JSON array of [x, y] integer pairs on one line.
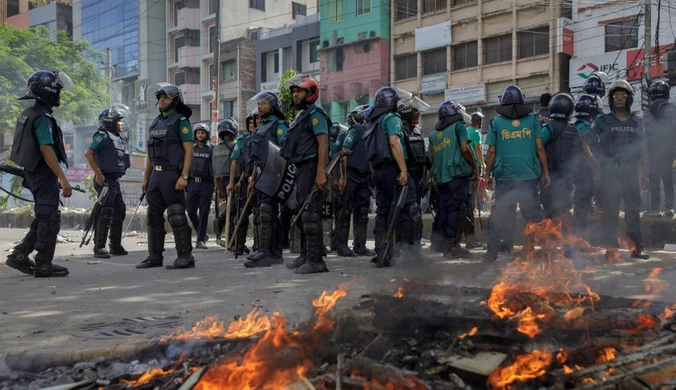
[[341, 198], [273, 129], [354, 183], [109, 159], [240, 170], [386, 149], [200, 189], [543, 114], [660, 131], [307, 146], [453, 164], [415, 144], [38, 147], [474, 133], [516, 159], [170, 156], [622, 148], [565, 153], [227, 133], [586, 109]]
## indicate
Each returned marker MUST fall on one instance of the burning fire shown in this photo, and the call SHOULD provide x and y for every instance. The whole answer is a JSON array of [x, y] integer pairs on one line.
[[653, 285], [527, 324], [399, 293], [148, 376], [210, 328], [606, 354], [525, 367], [472, 332]]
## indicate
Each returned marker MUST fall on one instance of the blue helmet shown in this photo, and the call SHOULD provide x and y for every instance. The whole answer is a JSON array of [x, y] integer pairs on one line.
[[561, 106], [386, 97], [659, 90], [46, 86], [334, 131], [587, 105], [594, 85], [108, 118], [357, 115], [448, 108], [227, 125], [511, 94], [271, 98]]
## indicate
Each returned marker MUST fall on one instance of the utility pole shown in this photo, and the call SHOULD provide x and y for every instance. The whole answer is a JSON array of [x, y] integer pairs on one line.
[[217, 67], [647, 53], [110, 74]]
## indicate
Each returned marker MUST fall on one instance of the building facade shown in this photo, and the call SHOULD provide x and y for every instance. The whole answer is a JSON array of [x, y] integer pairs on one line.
[[237, 82], [354, 53], [247, 18], [467, 51]]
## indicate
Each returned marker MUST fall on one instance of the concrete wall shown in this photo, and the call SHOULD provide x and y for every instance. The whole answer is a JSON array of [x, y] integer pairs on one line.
[[243, 87], [237, 16]]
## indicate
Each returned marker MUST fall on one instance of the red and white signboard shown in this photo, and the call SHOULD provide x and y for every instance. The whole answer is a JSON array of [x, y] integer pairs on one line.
[[635, 63], [565, 36]]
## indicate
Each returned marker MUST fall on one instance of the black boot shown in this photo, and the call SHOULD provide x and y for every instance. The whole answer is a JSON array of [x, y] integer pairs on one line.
[[638, 253], [116, 248], [46, 247], [453, 250], [300, 260], [408, 243], [256, 233], [360, 232], [380, 243], [266, 256], [312, 229], [101, 233], [182, 237], [471, 242], [219, 226], [155, 248], [342, 234], [19, 259]]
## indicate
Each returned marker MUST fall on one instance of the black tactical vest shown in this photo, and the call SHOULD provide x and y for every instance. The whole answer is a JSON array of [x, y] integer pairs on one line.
[[563, 149], [222, 160], [377, 143], [301, 139], [620, 141], [201, 162], [359, 159], [244, 163], [258, 144], [415, 148], [164, 145], [25, 147], [114, 158]]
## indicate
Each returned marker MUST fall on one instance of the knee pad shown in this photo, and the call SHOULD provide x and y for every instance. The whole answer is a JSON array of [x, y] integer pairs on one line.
[[176, 215], [414, 213], [266, 213], [312, 223]]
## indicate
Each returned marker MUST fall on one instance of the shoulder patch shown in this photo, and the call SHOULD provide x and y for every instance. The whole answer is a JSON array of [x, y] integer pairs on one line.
[[350, 138], [439, 134], [185, 130], [280, 131], [516, 122], [315, 121], [98, 137]]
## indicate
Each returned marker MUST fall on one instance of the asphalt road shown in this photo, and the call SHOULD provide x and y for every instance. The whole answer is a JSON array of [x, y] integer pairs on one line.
[[109, 302]]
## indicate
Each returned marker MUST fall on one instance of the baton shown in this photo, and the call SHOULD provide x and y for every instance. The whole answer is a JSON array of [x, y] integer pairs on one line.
[[218, 213], [239, 221], [398, 201], [143, 195], [237, 214], [228, 204]]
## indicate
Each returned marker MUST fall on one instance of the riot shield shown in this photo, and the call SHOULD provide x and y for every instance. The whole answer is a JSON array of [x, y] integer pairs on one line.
[[276, 178]]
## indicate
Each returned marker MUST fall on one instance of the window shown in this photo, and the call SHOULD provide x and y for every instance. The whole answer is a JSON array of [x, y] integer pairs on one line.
[[314, 53], [465, 55], [213, 6], [228, 70], [406, 9], [340, 58], [257, 4], [363, 7], [622, 35], [433, 5], [335, 10], [175, 7], [179, 42], [179, 78], [276, 64], [498, 49], [212, 38], [406, 67], [461, 2], [533, 42], [228, 109], [434, 61], [299, 9]]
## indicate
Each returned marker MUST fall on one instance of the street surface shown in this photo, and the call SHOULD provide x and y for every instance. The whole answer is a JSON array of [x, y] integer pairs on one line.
[[101, 298]]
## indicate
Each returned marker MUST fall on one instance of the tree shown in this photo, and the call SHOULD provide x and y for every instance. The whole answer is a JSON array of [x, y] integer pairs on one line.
[[23, 52], [285, 96]]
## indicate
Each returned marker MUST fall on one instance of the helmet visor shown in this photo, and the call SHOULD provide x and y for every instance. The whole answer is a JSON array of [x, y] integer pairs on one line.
[[64, 81], [414, 101], [252, 104], [169, 89], [296, 80], [120, 109]]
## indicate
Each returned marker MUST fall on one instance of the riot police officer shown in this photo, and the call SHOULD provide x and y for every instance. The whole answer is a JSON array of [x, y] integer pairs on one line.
[[109, 159], [38, 148], [516, 159], [586, 109], [660, 131], [170, 155], [474, 133], [453, 165], [622, 148], [354, 183], [307, 146], [273, 129], [341, 198], [201, 183], [227, 133], [415, 142], [387, 153]]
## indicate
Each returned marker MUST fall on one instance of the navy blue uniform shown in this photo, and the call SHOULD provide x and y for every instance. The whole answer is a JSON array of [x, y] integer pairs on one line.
[[200, 189]]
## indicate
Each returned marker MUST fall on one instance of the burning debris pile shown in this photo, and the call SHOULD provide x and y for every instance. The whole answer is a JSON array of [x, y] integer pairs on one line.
[[540, 326]]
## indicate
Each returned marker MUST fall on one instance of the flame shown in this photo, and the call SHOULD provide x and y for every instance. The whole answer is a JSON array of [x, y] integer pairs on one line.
[[527, 324], [653, 286], [148, 376], [668, 313], [588, 381], [525, 367], [561, 356], [567, 369], [613, 256], [606, 354], [573, 313], [279, 358], [472, 332], [399, 293], [210, 328]]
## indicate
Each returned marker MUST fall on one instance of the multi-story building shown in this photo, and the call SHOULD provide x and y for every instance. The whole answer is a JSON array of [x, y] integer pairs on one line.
[[467, 51], [610, 37], [294, 47], [354, 53], [237, 82], [248, 18], [54, 15]]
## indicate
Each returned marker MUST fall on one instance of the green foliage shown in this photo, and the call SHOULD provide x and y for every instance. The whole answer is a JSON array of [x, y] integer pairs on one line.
[[23, 52], [285, 96], [88, 185]]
